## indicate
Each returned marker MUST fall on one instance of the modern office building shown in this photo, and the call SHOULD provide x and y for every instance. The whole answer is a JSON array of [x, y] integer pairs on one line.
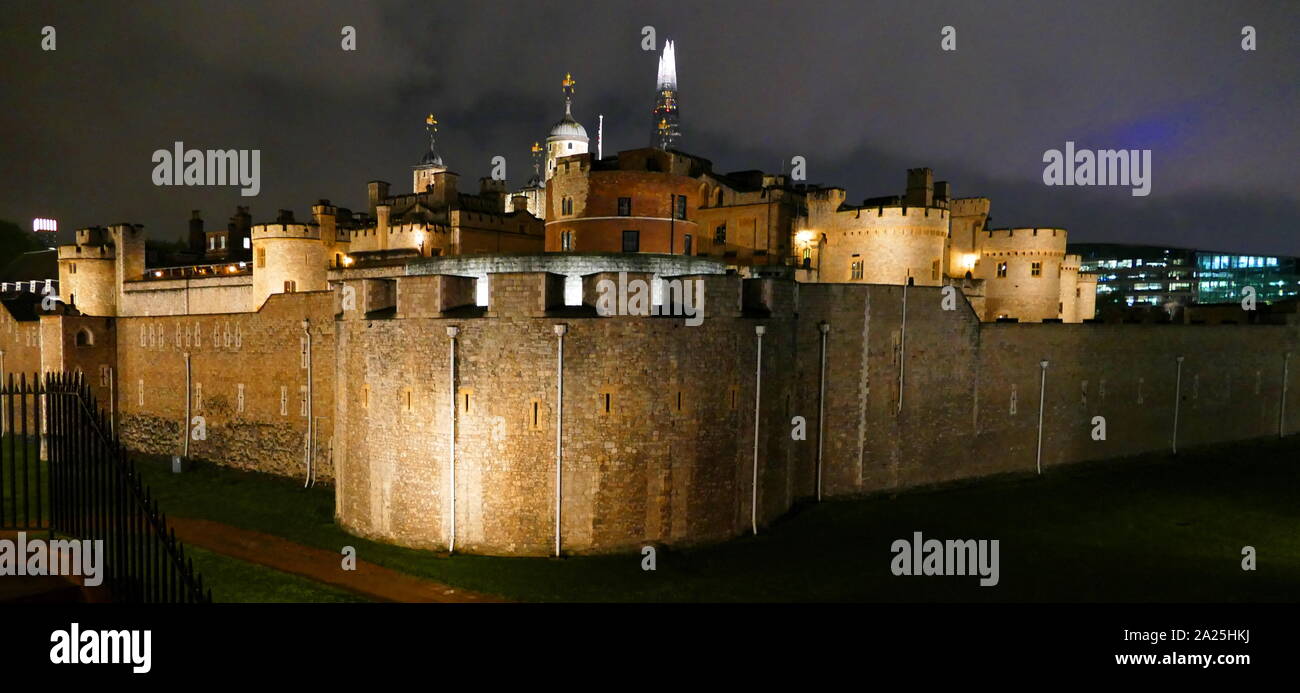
[[1134, 275]]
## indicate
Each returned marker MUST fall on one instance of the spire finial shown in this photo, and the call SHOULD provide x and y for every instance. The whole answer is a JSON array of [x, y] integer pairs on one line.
[[432, 157], [568, 85]]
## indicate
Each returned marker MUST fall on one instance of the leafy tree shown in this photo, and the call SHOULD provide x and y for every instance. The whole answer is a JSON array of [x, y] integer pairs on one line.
[[15, 241]]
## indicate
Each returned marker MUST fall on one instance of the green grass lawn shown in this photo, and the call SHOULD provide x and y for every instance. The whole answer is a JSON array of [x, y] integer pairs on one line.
[[1151, 528], [233, 580], [19, 479]]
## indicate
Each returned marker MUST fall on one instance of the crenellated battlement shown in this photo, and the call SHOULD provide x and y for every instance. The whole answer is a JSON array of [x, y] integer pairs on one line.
[[304, 231], [515, 295], [1050, 241], [970, 206]]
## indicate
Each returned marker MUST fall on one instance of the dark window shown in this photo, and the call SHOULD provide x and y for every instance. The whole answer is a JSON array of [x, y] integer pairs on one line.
[[686, 244], [625, 206], [720, 234], [631, 241], [679, 206]]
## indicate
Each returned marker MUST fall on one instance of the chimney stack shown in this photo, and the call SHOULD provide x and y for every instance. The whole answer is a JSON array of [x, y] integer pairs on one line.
[[197, 237]]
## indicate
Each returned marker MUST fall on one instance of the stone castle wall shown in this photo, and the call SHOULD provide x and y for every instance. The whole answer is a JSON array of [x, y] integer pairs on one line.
[[186, 296], [971, 390], [657, 436], [653, 468], [248, 379]]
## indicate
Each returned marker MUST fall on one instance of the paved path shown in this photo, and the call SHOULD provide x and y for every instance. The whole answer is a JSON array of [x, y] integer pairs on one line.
[[369, 580]]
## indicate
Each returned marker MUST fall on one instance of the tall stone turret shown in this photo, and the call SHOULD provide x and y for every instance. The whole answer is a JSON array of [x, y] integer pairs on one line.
[[430, 164], [567, 137]]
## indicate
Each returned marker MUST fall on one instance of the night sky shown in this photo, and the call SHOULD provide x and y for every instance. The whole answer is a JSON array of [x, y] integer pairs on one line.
[[862, 90]]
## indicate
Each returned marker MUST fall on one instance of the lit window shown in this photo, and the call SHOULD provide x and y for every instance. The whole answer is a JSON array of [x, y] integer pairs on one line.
[[856, 270], [1002, 270]]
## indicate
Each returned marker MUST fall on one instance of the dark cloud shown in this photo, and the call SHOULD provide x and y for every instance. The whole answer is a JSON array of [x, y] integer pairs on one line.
[[859, 89]]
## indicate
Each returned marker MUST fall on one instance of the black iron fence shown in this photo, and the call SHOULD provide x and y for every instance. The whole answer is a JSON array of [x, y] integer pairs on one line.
[[63, 470]]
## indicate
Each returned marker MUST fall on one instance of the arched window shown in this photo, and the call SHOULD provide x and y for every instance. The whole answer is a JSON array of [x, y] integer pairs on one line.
[[85, 338]]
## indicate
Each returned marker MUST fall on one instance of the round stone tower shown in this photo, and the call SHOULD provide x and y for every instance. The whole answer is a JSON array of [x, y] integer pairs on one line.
[[88, 272], [287, 257]]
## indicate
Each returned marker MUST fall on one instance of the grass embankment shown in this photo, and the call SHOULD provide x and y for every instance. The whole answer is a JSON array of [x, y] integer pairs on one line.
[[233, 580], [1151, 528]]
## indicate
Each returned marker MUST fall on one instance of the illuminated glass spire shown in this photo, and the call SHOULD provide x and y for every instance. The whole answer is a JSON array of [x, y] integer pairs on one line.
[[666, 130]]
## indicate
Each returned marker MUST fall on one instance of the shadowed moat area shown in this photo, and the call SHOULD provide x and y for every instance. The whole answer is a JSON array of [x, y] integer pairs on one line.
[[1149, 528]]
